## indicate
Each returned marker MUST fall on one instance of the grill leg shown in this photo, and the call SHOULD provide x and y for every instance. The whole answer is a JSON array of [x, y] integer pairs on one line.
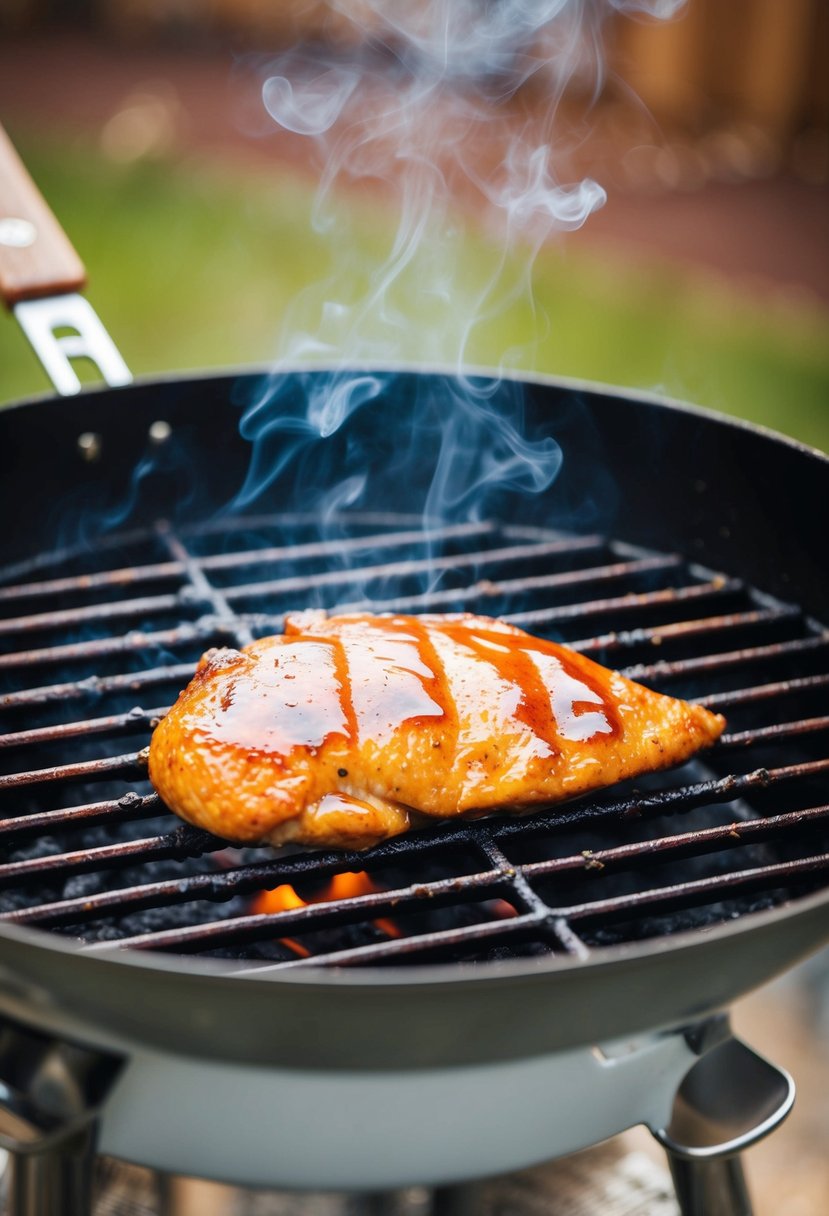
[[50, 1094], [56, 1181], [710, 1188], [728, 1100]]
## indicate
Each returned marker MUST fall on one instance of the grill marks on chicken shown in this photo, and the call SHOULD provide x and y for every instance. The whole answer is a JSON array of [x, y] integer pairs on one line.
[[345, 730]]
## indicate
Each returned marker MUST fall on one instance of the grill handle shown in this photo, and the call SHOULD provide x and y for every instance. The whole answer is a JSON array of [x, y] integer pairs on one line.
[[40, 277], [729, 1100]]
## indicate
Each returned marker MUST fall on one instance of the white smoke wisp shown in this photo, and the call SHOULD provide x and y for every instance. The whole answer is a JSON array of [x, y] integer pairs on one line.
[[455, 108], [424, 98], [452, 112]]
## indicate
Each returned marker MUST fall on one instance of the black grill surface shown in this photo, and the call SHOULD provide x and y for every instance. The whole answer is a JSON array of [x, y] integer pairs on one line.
[[95, 645]]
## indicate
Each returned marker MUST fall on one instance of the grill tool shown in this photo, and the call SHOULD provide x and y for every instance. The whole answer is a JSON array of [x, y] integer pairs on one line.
[[40, 277]]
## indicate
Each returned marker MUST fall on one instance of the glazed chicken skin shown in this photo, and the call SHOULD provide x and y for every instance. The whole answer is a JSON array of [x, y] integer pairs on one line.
[[345, 730]]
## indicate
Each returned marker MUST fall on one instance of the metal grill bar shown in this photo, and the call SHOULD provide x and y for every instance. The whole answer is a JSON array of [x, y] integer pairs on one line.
[[683, 799], [130, 806], [533, 925], [183, 842], [219, 526], [69, 618], [518, 886], [424, 946], [75, 690], [319, 915], [486, 589], [204, 589], [430, 566], [179, 567], [630, 638], [266, 875], [128, 765], [133, 719], [681, 894], [139, 640], [764, 692], [666, 582], [780, 730], [717, 588], [733, 658], [131, 643], [683, 844], [428, 945], [513, 879], [202, 592]]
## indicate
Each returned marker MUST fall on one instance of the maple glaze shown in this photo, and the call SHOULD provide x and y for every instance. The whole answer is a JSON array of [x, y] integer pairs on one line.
[[340, 729], [365, 685]]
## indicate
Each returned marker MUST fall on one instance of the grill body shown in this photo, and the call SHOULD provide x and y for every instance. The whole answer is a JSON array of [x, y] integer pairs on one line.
[[724, 500]]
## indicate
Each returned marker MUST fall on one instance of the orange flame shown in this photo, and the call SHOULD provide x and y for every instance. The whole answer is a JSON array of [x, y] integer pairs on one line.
[[342, 886]]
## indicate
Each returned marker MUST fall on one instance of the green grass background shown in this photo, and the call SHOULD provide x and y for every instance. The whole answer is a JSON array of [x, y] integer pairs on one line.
[[194, 266]]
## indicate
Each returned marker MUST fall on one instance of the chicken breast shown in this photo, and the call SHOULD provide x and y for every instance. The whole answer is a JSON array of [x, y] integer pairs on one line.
[[345, 730]]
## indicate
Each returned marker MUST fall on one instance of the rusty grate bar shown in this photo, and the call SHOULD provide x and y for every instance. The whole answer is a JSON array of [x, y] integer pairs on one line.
[[487, 589], [129, 765], [112, 810], [422, 947], [531, 901], [778, 730], [536, 924], [732, 658], [127, 576], [431, 566], [764, 692], [264, 875], [225, 621], [181, 842], [321, 915], [683, 844], [241, 879], [217, 527], [203, 588], [713, 589], [134, 719], [74, 690], [130, 643], [192, 593], [680, 894], [631, 638], [511, 877], [117, 610], [67, 553], [682, 799]]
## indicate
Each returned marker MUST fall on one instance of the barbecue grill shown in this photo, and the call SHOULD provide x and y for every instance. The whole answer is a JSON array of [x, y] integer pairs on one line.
[[506, 964]]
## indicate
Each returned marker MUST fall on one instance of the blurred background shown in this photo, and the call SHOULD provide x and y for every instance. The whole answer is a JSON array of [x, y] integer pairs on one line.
[[705, 276]]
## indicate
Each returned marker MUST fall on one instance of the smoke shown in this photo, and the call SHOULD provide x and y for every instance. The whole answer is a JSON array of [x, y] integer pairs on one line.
[[447, 110], [424, 104]]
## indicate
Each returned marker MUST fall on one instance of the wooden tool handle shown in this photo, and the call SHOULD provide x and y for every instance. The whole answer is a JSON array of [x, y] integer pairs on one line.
[[36, 257]]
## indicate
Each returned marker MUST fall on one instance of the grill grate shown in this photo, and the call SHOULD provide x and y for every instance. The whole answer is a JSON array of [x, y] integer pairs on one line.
[[96, 649]]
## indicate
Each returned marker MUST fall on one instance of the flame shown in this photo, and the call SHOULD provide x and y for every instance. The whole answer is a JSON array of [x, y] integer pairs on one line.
[[347, 885]]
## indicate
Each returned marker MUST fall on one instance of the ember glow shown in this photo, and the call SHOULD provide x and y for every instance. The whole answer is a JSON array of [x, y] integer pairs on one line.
[[348, 885]]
